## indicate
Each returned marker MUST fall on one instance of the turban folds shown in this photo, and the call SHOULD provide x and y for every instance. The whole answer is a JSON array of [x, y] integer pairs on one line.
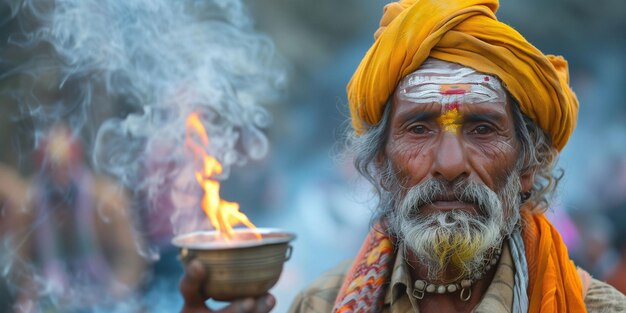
[[465, 32]]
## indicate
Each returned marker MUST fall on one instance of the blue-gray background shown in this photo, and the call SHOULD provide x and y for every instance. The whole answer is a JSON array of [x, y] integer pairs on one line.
[[306, 185]]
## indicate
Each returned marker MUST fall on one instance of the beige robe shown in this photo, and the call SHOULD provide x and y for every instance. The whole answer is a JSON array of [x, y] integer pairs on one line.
[[320, 296]]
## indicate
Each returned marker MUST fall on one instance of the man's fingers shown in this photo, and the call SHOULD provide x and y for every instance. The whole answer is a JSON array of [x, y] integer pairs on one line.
[[265, 304], [245, 306], [260, 305], [191, 285], [191, 288]]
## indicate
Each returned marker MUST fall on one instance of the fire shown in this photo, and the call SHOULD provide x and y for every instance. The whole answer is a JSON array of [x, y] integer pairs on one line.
[[223, 215]]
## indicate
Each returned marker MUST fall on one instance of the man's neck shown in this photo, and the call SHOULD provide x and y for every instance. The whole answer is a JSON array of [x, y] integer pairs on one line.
[[447, 302]]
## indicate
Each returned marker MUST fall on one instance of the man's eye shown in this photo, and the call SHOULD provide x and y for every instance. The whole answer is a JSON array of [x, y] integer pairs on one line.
[[419, 129], [482, 130]]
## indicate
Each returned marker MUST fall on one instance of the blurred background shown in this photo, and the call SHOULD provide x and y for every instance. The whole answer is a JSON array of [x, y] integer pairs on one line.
[[305, 183]]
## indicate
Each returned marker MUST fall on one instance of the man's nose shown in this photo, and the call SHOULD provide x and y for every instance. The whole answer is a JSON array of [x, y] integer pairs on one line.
[[451, 159]]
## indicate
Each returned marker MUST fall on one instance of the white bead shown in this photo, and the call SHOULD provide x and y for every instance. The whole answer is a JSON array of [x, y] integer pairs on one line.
[[430, 288], [466, 283], [451, 288], [441, 289]]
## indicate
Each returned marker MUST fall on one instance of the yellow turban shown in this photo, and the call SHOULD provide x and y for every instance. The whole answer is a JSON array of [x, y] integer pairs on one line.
[[465, 32]]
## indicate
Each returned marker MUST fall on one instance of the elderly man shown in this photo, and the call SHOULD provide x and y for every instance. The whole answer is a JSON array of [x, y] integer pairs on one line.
[[458, 122]]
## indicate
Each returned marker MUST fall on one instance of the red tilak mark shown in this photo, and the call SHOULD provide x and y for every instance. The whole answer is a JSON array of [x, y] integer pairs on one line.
[[453, 91], [453, 106], [486, 78]]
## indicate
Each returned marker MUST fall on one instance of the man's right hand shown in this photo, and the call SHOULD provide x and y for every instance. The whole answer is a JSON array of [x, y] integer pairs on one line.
[[191, 289]]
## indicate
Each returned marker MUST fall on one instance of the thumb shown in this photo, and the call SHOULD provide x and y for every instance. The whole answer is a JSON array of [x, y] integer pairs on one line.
[[191, 286]]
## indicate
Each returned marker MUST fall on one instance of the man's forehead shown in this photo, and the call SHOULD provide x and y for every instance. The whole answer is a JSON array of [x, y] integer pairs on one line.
[[438, 81]]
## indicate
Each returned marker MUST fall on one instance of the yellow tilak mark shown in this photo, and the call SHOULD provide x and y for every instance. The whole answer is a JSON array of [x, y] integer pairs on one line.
[[450, 120]]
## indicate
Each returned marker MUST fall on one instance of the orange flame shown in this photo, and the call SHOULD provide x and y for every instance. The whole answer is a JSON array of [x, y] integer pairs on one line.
[[222, 214]]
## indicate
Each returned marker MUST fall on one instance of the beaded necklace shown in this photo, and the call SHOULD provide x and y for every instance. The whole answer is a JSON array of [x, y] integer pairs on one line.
[[421, 287]]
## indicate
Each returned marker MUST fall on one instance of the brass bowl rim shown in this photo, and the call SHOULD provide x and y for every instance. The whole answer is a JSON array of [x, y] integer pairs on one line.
[[277, 237]]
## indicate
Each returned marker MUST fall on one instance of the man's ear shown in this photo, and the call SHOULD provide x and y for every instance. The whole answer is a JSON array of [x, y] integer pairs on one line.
[[527, 179]]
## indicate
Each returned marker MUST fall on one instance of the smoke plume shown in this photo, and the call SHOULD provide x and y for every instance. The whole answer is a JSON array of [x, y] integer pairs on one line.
[[159, 60], [165, 59]]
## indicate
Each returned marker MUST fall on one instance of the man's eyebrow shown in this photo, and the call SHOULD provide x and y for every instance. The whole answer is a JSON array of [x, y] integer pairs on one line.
[[494, 117], [411, 116]]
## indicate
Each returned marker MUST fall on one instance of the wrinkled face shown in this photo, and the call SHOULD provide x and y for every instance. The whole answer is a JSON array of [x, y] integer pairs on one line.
[[452, 123], [451, 156]]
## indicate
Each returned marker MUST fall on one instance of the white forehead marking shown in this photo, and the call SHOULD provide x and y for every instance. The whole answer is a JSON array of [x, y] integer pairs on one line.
[[424, 85]]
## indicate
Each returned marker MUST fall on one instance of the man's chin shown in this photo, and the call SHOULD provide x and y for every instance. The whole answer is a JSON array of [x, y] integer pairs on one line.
[[454, 249]]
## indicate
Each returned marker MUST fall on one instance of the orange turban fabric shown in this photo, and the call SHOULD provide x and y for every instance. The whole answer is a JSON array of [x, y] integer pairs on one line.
[[465, 32]]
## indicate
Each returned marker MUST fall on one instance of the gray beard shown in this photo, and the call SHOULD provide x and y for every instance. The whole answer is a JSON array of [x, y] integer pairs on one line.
[[454, 239]]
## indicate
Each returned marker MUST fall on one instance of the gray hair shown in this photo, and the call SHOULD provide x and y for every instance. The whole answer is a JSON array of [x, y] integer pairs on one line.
[[537, 155]]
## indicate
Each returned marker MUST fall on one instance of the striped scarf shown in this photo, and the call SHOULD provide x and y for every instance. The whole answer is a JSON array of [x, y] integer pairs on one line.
[[362, 290]]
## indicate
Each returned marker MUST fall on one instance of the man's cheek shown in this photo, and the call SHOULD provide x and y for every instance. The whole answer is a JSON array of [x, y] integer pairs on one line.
[[411, 162], [491, 165]]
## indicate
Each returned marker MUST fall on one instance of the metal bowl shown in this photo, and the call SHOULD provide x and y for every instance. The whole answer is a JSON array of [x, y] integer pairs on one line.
[[241, 267]]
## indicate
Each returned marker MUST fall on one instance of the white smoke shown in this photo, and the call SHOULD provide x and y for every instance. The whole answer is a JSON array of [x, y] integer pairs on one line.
[[164, 59]]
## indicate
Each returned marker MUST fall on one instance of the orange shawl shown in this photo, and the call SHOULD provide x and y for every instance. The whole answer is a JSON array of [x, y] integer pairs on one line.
[[554, 284]]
